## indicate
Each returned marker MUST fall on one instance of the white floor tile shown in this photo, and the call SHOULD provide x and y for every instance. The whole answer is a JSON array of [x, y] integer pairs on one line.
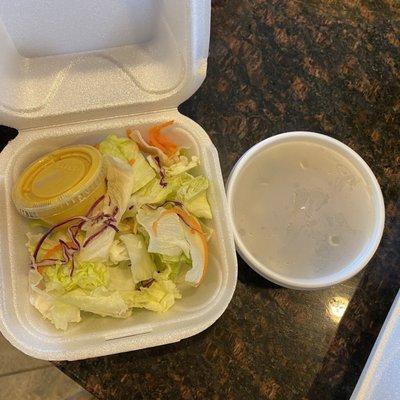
[[12, 360], [40, 384]]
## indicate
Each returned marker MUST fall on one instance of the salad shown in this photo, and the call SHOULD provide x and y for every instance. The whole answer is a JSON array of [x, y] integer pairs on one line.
[[136, 244]]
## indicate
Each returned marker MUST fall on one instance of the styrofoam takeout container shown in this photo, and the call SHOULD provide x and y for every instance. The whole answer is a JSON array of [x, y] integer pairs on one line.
[[380, 377], [73, 72], [317, 279]]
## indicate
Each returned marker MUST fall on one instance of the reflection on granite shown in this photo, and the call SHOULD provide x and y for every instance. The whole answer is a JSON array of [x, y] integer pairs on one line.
[[279, 65]]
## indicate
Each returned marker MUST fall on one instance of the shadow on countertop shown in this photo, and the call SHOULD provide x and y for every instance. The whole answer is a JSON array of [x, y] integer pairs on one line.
[[249, 277], [360, 325]]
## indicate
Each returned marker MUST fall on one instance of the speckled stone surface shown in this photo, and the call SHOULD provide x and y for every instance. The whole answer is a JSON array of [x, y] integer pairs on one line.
[[327, 66]]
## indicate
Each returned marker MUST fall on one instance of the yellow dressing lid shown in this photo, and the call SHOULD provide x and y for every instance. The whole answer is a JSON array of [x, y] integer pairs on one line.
[[59, 180]]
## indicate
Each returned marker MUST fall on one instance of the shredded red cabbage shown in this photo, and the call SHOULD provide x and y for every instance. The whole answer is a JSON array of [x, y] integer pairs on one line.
[[107, 221], [163, 183], [65, 250], [175, 203], [73, 234], [72, 267], [95, 204], [43, 238], [90, 238], [112, 226], [44, 263], [147, 283]]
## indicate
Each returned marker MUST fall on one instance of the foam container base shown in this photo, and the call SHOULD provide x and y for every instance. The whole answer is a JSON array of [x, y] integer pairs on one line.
[[199, 307]]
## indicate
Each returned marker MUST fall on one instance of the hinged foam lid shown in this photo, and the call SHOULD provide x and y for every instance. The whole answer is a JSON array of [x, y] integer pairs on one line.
[[65, 61]]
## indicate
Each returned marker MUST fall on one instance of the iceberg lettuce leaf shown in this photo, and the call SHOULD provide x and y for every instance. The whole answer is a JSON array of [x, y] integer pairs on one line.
[[59, 313], [152, 193], [127, 150], [121, 278], [100, 301], [142, 266], [183, 165], [176, 266], [119, 188], [118, 252], [192, 193], [199, 206], [166, 234], [86, 275], [159, 297]]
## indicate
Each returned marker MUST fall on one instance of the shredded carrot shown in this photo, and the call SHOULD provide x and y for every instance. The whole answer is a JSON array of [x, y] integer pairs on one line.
[[54, 249], [205, 246], [49, 253], [132, 161], [163, 143], [40, 269], [188, 219], [128, 131]]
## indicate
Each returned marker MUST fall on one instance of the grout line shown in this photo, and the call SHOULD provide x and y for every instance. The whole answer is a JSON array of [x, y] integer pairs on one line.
[[24, 370]]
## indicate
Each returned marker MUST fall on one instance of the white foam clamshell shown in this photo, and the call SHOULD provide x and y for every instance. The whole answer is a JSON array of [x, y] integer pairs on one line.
[[381, 375], [74, 72]]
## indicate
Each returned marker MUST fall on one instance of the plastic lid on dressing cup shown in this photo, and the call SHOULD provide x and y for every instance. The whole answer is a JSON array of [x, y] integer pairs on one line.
[[58, 181]]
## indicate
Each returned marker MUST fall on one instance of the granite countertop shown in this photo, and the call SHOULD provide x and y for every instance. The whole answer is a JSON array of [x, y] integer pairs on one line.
[[275, 66]]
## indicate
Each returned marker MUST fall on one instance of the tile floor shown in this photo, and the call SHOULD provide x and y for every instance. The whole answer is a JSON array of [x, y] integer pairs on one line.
[[25, 378]]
